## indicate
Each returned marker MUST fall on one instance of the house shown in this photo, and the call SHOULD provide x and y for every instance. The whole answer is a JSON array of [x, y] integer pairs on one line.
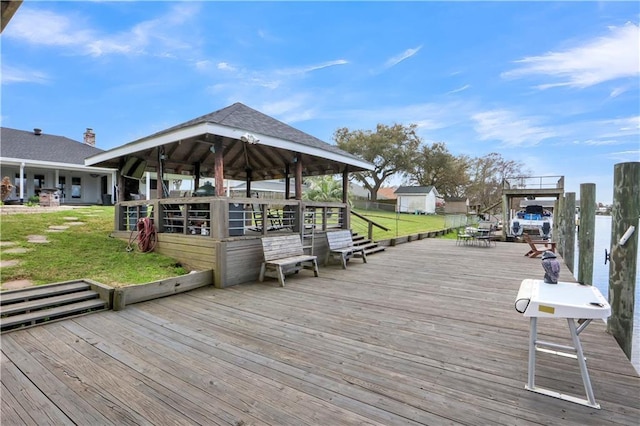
[[418, 199], [456, 205], [53, 162], [387, 193]]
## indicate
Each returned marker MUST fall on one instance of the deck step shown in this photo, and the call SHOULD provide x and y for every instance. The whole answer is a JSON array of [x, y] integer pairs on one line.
[[32, 293], [370, 247], [47, 302], [57, 312]]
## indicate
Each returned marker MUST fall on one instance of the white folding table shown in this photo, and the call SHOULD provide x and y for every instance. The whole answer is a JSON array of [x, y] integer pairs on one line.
[[578, 304]]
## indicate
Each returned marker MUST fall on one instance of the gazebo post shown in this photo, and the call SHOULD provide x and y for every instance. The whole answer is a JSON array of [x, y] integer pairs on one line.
[[346, 216], [298, 161], [196, 176], [218, 167], [287, 181]]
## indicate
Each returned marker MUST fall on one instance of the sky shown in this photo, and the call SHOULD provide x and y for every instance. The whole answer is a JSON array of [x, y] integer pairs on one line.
[[553, 85]]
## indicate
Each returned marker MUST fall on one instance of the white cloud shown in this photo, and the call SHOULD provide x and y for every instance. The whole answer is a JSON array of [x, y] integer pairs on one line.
[[156, 36], [459, 89], [12, 75], [311, 68], [617, 92], [624, 156], [510, 129], [225, 66], [597, 60], [395, 60]]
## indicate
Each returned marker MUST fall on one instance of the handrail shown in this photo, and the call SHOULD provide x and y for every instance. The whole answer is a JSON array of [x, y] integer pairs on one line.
[[370, 224]]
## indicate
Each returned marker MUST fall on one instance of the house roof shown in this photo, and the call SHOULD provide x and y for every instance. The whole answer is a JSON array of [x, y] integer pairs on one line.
[[27, 146], [414, 190], [387, 193], [250, 140]]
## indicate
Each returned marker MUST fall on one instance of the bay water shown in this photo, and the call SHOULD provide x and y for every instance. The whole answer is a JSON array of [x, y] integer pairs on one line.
[[602, 241]]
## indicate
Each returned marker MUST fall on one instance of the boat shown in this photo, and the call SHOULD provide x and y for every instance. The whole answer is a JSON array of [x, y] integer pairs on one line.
[[533, 219]]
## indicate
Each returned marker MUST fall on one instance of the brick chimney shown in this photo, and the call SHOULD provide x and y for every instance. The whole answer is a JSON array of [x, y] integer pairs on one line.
[[90, 137]]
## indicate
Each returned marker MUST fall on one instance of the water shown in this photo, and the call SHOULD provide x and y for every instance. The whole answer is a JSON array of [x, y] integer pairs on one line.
[[601, 278]]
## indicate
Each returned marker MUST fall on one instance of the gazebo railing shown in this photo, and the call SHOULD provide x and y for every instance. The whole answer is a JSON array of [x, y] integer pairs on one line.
[[222, 217]]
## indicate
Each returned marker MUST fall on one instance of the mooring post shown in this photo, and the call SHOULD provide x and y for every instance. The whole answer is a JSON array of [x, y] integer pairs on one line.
[[624, 252], [586, 233], [558, 225], [569, 230]]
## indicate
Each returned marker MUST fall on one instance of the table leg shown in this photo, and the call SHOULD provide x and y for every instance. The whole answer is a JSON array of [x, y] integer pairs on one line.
[[533, 332], [583, 364]]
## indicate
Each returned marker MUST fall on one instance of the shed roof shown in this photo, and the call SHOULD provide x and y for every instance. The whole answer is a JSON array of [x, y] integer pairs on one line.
[[251, 141], [414, 189]]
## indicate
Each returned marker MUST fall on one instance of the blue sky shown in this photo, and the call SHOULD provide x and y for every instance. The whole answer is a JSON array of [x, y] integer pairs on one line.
[[554, 85]]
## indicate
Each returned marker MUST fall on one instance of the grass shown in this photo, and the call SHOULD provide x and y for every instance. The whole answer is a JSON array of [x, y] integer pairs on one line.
[[87, 251], [399, 224], [83, 251]]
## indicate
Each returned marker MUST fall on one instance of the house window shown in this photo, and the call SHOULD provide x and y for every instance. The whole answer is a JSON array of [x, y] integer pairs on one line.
[[76, 187], [38, 183]]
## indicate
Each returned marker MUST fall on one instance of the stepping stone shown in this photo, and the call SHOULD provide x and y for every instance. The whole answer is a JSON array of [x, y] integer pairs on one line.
[[8, 263], [16, 284], [70, 218], [75, 223], [7, 243], [40, 239], [54, 230], [17, 250], [58, 227]]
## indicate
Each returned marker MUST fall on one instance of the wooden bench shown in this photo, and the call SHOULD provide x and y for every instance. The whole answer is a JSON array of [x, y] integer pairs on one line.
[[285, 251], [341, 247]]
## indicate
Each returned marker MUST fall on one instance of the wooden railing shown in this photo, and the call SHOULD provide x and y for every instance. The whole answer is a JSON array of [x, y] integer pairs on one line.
[[222, 217]]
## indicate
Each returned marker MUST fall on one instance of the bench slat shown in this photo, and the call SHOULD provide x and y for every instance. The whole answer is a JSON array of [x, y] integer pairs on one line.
[[282, 251]]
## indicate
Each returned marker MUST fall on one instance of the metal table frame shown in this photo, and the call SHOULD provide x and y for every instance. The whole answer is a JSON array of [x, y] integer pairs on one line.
[[536, 345]]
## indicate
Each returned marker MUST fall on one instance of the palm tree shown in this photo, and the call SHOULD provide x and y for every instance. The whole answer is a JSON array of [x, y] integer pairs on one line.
[[323, 188]]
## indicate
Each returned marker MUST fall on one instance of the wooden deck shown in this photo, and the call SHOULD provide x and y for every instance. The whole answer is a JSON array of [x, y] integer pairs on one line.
[[425, 333]]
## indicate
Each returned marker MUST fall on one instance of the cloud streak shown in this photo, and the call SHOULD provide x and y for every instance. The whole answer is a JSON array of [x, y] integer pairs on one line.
[[395, 60], [11, 75], [510, 129], [601, 59]]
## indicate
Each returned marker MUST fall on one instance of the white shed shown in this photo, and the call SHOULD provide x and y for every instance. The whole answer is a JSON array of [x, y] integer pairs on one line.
[[418, 199]]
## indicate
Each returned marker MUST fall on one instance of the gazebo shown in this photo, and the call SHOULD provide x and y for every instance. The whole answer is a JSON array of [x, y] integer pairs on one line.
[[212, 231]]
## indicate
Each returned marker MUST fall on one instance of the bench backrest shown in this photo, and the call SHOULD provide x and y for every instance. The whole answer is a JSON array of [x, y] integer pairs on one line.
[[339, 239], [281, 247]]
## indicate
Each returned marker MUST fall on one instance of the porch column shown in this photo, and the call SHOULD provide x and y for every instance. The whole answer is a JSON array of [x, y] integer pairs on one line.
[[114, 186], [287, 181], [147, 186], [23, 181], [218, 167], [298, 161]]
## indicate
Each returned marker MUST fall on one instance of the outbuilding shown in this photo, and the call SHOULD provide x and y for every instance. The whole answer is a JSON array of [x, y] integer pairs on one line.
[[418, 199]]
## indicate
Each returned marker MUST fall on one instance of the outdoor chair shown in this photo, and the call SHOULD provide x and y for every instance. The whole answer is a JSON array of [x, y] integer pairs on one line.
[[538, 247], [463, 237]]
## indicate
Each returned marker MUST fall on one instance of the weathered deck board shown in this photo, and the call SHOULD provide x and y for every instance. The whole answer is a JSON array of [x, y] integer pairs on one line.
[[425, 333]]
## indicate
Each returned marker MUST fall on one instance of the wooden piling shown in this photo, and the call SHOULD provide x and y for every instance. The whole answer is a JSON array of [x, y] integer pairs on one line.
[[622, 269], [558, 226], [569, 230], [586, 234]]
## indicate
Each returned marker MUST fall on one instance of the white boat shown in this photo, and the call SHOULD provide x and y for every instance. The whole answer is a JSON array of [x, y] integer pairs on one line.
[[532, 219]]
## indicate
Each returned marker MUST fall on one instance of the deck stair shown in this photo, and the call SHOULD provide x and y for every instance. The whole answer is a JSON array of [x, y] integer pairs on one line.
[[38, 305], [370, 247]]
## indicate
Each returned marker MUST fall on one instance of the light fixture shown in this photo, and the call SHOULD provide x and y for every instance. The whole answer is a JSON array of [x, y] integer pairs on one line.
[[212, 148], [248, 137]]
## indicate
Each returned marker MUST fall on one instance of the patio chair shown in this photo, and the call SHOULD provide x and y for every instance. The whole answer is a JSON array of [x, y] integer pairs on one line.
[[463, 237], [538, 247]]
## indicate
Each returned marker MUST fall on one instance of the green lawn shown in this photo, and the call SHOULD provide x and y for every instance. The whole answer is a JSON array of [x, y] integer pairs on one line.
[[399, 224], [84, 251]]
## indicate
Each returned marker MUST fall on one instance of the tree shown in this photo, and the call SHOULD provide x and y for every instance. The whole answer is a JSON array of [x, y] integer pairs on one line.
[[486, 175], [323, 188], [437, 167], [390, 149]]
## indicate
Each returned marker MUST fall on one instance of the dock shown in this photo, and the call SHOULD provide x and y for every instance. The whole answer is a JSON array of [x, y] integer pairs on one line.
[[423, 334]]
